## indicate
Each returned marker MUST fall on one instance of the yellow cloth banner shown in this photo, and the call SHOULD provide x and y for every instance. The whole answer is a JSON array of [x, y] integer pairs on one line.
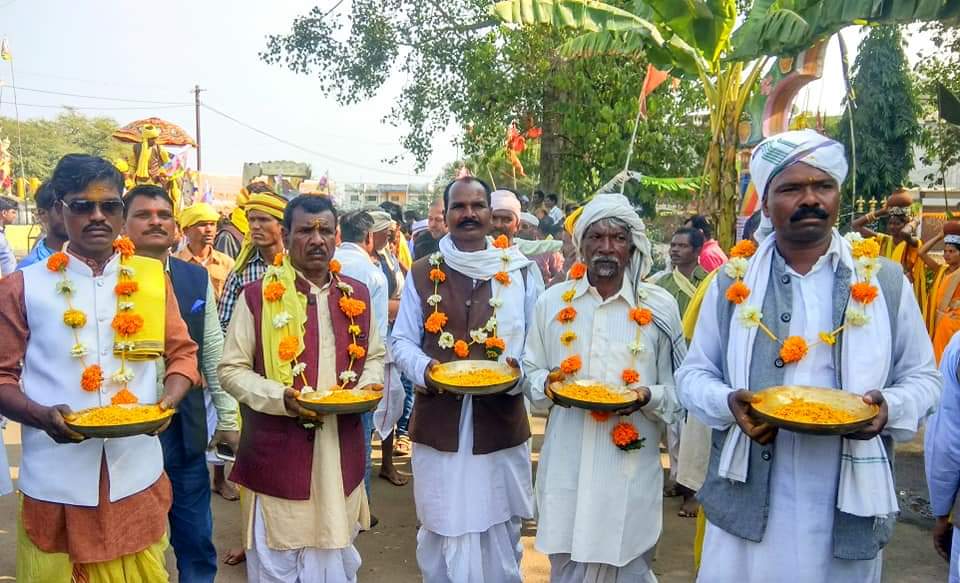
[[149, 302]]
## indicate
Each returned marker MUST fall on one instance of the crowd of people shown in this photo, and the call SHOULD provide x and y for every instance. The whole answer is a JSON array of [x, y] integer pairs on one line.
[[229, 320]]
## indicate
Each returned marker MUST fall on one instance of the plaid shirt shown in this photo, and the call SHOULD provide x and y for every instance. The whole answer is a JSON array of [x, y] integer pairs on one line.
[[254, 270]]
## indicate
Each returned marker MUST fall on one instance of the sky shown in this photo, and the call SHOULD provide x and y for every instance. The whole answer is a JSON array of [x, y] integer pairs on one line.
[[158, 51]]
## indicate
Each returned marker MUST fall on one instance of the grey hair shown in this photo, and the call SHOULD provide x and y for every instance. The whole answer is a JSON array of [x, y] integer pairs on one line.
[[611, 222]]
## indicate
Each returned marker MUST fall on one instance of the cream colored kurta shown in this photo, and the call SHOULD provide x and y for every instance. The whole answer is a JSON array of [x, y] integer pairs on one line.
[[595, 502], [328, 519]]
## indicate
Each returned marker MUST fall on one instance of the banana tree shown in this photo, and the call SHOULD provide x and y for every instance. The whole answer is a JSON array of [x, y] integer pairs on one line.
[[698, 38]]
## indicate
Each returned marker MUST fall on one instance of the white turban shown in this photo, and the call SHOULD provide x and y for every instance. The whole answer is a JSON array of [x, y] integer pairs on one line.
[[777, 153], [616, 206], [504, 200], [418, 227], [529, 219]]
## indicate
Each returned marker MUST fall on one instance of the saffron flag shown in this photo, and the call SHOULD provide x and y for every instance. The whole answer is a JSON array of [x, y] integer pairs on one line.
[[655, 77]]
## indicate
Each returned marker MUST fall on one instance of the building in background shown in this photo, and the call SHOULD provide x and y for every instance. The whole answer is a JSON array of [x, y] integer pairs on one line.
[[355, 195]]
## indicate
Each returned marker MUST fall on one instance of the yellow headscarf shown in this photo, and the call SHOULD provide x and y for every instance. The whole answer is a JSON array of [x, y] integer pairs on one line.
[[238, 217], [147, 132], [200, 212], [571, 220], [264, 202]]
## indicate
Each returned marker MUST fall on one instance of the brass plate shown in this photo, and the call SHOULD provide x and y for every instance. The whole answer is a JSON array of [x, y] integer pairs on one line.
[[341, 408], [463, 366], [124, 430], [768, 400], [558, 397]]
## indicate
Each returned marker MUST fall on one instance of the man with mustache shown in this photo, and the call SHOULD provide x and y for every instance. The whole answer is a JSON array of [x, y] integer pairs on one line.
[[149, 223], [471, 463], [808, 308], [303, 472], [92, 509], [199, 225], [599, 497]]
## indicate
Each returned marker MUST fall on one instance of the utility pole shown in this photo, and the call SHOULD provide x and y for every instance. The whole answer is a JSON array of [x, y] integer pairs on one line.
[[196, 116]]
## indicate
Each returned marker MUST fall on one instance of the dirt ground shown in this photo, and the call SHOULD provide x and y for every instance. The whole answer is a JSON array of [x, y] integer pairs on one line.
[[388, 550]]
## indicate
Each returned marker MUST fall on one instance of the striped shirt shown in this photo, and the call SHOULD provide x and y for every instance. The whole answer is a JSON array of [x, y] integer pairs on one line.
[[254, 270]]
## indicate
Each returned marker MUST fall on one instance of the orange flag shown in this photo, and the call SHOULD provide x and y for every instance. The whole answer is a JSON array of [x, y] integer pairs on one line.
[[655, 77]]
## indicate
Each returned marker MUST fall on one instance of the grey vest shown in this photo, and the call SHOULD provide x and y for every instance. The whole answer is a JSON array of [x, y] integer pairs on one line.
[[742, 508]]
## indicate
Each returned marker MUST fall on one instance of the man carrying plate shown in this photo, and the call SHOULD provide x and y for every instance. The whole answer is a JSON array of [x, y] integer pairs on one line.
[[599, 482], [304, 327], [91, 331], [471, 465], [809, 308]]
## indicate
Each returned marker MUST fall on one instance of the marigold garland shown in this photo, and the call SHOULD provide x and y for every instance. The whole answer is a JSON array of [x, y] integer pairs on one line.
[[356, 351], [567, 314], [92, 378], [74, 318], [126, 288], [126, 324], [641, 316], [626, 437], [334, 267], [745, 248], [435, 322], [278, 260], [571, 365], [289, 348], [124, 247], [630, 376], [352, 307], [863, 292], [501, 242], [794, 349], [58, 261], [461, 349], [273, 291], [738, 292], [503, 277], [437, 275], [577, 271]]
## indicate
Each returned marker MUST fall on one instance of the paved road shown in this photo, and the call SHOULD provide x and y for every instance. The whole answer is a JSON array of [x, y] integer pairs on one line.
[[388, 551]]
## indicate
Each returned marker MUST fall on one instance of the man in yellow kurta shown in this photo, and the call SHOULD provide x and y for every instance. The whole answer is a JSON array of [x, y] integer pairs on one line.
[[303, 327]]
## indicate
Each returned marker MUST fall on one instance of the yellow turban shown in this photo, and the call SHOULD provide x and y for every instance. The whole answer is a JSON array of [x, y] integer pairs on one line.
[[149, 132], [200, 212], [264, 202], [571, 220]]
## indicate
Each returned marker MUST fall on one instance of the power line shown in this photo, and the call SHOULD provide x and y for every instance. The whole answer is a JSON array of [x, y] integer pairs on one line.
[[96, 107], [102, 98], [304, 148]]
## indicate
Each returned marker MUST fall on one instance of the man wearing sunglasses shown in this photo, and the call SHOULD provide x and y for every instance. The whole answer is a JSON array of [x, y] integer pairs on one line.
[[92, 509], [150, 224]]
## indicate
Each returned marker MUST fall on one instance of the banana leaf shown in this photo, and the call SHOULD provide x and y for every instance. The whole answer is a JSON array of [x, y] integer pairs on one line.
[[704, 24]]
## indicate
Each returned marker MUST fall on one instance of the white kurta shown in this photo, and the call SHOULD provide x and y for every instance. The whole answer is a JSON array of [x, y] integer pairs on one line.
[[804, 478], [595, 502], [460, 493]]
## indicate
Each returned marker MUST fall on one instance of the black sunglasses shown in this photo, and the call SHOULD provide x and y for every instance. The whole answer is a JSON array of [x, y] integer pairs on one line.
[[81, 206]]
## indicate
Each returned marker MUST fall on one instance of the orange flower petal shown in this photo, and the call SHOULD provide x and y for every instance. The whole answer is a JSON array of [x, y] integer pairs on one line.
[[738, 292], [58, 261], [577, 271], [461, 349], [92, 378]]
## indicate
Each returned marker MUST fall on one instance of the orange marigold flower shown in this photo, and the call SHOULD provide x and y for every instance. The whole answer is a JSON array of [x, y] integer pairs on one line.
[[352, 307], [745, 249], [126, 288], [571, 364], [495, 342], [356, 351], [461, 349], [567, 337], [126, 324], [74, 318], [863, 292], [641, 316], [274, 291], [501, 242], [435, 322], [630, 376], [92, 378], [124, 397], [566, 314], [738, 292], [503, 277], [794, 349], [124, 246], [288, 349], [600, 416], [577, 270], [437, 275], [624, 434], [58, 261], [334, 266]]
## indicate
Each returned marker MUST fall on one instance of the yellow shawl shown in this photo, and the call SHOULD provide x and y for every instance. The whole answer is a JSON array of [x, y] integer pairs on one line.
[[149, 301]]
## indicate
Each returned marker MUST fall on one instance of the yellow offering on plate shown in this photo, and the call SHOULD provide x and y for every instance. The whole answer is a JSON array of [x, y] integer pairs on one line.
[[593, 393], [118, 415]]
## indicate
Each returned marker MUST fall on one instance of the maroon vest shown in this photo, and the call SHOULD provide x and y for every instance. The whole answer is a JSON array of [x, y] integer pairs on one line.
[[499, 421], [276, 453]]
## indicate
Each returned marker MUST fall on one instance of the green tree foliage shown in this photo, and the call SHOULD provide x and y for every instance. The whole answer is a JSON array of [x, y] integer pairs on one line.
[[885, 121], [941, 63], [45, 141], [460, 67]]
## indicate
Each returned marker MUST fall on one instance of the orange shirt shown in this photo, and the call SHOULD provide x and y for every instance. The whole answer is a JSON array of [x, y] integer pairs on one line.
[[218, 265]]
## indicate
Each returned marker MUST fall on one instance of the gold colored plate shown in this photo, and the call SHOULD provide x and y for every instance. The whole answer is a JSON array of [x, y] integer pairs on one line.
[[121, 430], [769, 400], [559, 397], [465, 366], [341, 408]]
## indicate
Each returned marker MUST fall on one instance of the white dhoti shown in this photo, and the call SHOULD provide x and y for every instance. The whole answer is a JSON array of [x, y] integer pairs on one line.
[[673, 433], [471, 508], [483, 557], [211, 428], [307, 565], [564, 570]]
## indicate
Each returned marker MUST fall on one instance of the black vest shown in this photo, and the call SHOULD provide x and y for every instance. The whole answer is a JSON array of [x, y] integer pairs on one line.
[[190, 286]]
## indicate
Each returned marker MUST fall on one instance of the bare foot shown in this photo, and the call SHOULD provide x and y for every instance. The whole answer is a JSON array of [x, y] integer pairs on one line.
[[225, 488], [235, 557], [689, 508], [394, 477]]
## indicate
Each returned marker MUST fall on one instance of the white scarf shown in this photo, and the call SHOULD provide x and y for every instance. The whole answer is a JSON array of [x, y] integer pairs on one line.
[[484, 264], [866, 482]]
